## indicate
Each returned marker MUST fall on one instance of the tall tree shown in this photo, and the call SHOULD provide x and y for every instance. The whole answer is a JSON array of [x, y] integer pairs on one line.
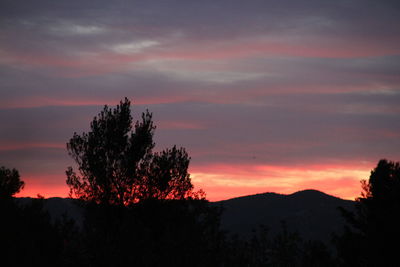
[[375, 224], [117, 165], [10, 182]]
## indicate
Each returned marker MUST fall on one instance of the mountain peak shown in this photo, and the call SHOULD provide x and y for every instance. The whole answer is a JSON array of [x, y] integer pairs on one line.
[[313, 192], [312, 213], [255, 196], [307, 193]]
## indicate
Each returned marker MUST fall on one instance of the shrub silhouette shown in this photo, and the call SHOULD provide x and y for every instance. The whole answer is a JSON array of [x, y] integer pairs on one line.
[[10, 182]]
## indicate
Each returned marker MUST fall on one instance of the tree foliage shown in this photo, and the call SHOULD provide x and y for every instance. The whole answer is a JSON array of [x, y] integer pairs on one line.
[[165, 175], [10, 182], [117, 164], [375, 223]]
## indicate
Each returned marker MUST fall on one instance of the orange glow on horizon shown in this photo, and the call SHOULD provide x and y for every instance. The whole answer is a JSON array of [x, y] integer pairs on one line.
[[44, 185], [222, 182], [44, 190], [228, 181]]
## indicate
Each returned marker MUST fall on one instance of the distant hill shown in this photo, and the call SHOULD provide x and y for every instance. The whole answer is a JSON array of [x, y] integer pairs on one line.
[[313, 214], [58, 207]]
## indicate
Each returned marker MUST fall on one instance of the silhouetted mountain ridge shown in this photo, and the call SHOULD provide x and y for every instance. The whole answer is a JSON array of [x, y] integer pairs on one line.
[[59, 207], [312, 213]]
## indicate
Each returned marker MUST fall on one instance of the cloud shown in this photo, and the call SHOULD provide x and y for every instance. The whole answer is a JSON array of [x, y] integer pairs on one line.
[[133, 47], [68, 28], [261, 83]]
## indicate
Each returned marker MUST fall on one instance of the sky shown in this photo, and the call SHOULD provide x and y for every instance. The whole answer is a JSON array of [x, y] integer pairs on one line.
[[266, 96]]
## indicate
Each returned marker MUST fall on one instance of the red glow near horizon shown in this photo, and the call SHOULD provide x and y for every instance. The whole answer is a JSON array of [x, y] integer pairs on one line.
[[227, 181], [230, 181], [47, 191]]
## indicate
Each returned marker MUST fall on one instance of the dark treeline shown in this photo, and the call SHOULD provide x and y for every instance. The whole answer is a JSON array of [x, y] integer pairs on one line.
[[140, 209]]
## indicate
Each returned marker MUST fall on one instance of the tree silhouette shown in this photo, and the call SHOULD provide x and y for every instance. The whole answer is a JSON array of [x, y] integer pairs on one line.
[[117, 165], [375, 224], [10, 182], [28, 237]]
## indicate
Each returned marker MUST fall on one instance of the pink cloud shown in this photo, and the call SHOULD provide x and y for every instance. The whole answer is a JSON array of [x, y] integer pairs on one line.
[[250, 48], [41, 101], [184, 125], [100, 62], [7, 146]]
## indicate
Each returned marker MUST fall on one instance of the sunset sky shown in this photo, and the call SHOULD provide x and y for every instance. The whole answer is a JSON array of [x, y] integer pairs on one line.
[[266, 96]]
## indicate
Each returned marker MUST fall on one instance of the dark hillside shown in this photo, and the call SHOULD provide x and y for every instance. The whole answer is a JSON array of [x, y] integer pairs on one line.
[[313, 214], [59, 207]]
